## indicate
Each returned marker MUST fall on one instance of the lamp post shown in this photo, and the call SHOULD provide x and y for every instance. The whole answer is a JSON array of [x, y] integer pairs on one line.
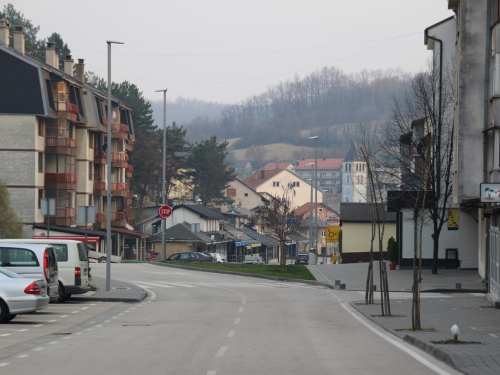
[[316, 192], [311, 209], [108, 180], [163, 192]]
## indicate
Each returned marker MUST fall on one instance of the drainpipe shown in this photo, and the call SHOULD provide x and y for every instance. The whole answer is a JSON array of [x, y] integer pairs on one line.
[[485, 132]]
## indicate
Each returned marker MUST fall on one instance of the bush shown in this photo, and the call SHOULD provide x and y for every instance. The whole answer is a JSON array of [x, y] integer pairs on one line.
[[392, 250]]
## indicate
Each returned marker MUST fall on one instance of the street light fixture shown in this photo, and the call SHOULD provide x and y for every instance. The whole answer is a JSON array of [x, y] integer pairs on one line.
[[316, 192], [163, 192], [108, 180]]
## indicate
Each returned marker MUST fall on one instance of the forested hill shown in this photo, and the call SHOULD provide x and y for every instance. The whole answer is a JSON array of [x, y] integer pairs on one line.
[[319, 101]]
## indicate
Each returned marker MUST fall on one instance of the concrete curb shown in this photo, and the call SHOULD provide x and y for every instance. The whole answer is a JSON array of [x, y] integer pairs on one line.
[[109, 299], [310, 282], [432, 350]]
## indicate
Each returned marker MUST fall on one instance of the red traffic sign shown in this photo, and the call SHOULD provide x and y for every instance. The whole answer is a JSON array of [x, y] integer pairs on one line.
[[164, 211]]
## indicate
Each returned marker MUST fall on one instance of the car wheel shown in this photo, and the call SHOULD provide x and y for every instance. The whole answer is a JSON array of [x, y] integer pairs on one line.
[[60, 290], [3, 310], [8, 318], [66, 297]]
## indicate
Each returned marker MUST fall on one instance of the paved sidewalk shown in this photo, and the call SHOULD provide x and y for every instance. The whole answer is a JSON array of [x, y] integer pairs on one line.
[[120, 292], [442, 305]]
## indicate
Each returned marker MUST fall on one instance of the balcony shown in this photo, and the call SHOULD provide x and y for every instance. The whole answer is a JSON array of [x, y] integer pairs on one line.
[[100, 157], [100, 221], [60, 181], [100, 188], [64, 217], [60, 146], [67, 110], [119, 189], [119, 159], [118, 219], [120, 131], [129, 171], [129, 145]]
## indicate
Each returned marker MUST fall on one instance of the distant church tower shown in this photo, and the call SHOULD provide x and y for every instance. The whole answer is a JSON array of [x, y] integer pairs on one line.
[[354, 178]]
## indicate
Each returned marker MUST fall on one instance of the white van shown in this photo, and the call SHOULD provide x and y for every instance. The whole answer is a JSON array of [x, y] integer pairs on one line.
[[35, 261], [72, 263]]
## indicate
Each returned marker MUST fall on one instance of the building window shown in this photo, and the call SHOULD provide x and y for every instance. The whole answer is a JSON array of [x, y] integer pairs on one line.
[[322, 234], [231, 192], [40, 196], [91, 200], [41, 127], [40, 162], [91, 172], [320, 209], [246, 194], [276, 183], [296, 184]]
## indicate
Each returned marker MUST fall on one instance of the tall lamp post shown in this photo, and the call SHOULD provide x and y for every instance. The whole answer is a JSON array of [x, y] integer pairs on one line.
[[316, 192], [163, 192], [108, 180], [311, 209]]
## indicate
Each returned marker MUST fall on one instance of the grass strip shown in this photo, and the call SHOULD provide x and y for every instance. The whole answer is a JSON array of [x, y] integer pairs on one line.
[[298, 272]]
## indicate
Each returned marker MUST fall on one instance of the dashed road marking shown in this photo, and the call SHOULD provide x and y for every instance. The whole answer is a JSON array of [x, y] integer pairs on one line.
[[52, 321], [66, 338], [5, 334], [75, 312], [23, 356], [64, 316], [23, 330], [37, 325], [240, 310], [38, 349], [493, 335], [221, 351], [211, 372], [84, 308], [3, 364], [231, 333], [54, 342], [237, 321]]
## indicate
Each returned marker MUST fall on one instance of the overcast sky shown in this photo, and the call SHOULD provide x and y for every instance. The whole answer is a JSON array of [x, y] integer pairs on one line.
[[228, 50]]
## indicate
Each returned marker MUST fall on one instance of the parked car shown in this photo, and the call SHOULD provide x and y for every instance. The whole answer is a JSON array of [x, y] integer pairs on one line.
[[183, 257], [20, 295], [302, 259], [72, 263], [219, 258], [253, 260], [35, 261], [205, 257]]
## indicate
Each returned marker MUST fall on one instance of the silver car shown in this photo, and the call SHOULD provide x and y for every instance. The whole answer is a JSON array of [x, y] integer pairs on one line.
[[253, 260], [20, 295]]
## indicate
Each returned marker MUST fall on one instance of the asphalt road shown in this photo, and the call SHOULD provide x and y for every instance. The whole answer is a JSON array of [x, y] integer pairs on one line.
[[211, 324]]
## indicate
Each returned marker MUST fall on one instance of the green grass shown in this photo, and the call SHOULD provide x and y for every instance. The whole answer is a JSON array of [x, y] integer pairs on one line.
[[299, 272]]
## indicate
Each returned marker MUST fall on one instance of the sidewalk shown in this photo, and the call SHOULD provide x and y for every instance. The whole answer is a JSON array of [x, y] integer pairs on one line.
[[442, 305], [120, 292]]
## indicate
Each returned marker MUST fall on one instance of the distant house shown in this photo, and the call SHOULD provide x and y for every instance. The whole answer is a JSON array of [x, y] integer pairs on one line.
[[280, 165], [356, 221], [237, 216], [274, 181], [242, 168], [329, 173], [243, 195]]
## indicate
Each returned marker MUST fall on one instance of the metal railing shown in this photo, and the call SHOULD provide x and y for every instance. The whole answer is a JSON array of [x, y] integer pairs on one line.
[[60, 142], [119, 157], [121, 186], [61, 178]]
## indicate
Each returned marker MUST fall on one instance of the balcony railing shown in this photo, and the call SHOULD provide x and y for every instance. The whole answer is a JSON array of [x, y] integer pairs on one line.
[[117, 216], [65, 213], [119, 186], [119, 128], [100, 216], [130, 168], [67, 106], [100, 153], [119, 157], [60, 178], [60, 142], [100, 185]]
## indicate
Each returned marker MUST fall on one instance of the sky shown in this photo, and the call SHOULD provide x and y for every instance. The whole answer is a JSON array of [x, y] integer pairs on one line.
[[228, 50]]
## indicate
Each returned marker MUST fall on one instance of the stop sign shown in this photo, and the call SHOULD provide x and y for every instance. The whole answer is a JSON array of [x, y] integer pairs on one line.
[[164, 211]]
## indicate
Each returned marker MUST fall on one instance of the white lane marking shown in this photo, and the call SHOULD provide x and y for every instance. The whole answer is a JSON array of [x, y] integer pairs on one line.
[[237, 321], [418, 357], [221, 351], [23, 330], [79, 333], [75, 312], [38, 325], [52, 321], [493, 335], [3, 364], [66, 338], [244, 301], [120, 314], [114, 317], [211, 372], [84, 308], [64, 316], [89, 329], [231, 333], [98, 326], [179, 284], [240, 310], [38, 349], [152, 284], [107, 321], [181, 273], [23, 356], [54, 342], [5, 334]]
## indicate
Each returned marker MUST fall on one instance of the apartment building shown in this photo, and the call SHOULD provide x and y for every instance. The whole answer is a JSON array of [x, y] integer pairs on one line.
[[53, 130]]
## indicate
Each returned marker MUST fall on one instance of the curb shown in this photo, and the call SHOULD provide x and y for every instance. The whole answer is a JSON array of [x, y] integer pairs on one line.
[[275, 278], [431, 350]]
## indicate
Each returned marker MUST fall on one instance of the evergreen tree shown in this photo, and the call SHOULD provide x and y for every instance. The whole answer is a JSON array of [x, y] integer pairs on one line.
[[10, 226]]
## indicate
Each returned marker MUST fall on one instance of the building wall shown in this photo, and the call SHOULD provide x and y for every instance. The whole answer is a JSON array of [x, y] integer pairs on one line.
[[356, 237], [174, 247], [253, 199], [181, 215]]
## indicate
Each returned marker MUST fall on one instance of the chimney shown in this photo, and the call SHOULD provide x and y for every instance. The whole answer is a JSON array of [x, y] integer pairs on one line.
[[262, 174], [80, 70], [4, 32], [68, 65], [19, 39], [50, 55]]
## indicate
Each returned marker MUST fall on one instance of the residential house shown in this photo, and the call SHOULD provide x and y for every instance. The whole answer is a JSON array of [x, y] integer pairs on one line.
[[237, 216], [280, 165], [181, 238], [276, 182], [242, 168], [322, 213], [206, 219], [329, 173], [243, 196], [54, 128], [356, 221], [354, 177]]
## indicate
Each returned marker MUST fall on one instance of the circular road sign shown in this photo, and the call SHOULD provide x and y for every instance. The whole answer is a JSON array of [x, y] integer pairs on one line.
[[164, 211]]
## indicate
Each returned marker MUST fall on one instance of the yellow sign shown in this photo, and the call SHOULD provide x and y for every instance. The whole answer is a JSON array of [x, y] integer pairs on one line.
[[453, 220], [332, 234]]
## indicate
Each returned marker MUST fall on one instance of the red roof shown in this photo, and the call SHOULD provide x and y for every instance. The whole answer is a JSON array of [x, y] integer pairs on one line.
[[322, 164], [259, 177]]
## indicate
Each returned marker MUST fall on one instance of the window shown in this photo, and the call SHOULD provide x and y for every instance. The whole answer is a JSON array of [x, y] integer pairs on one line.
[[320, 209], [41, 127], [91, 140], [91, 200], [296, 184], [91, 171], [40, 196], [322, 234], [40, 162], [82, 254], [50, 95], [231, 192], [246, 194], [18, 257], [276, 183]]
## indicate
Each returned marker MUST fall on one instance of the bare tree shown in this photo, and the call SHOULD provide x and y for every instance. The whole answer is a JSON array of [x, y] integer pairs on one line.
[[278, 217]]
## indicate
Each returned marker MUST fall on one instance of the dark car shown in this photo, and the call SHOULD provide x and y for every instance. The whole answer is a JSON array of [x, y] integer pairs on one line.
[[302, 259], [183, 257], [205, 258]]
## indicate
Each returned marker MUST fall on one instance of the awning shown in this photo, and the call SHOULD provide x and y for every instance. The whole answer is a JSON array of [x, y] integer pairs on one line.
[[91, 239], [256, 245]]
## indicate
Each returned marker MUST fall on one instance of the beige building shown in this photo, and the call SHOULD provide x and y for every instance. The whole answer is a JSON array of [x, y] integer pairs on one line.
[[243, 195]]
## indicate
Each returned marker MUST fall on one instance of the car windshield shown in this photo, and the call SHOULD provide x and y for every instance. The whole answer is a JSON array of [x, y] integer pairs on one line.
[[10, 274], [251, 258]]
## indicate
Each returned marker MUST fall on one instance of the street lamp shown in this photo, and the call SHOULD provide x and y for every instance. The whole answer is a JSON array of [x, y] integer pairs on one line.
[[311, 209], [108, 180], [316, 192], [163, 192]]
